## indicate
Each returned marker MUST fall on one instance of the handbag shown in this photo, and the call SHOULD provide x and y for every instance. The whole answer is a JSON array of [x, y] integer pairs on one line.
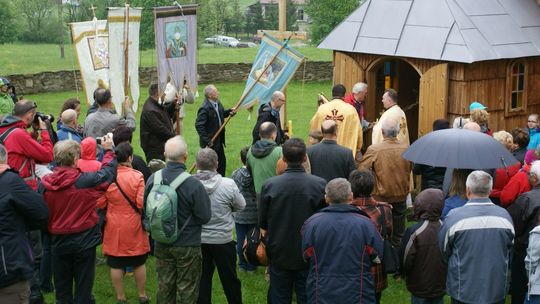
[[390, 258], [254, 248]]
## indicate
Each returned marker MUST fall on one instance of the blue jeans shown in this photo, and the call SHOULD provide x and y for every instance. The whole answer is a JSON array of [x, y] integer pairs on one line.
[[282, 284], [241, 231], [532, 299], [418, 300]]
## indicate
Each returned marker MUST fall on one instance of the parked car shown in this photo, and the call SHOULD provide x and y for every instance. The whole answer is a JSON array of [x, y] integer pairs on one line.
[[242, 44], [212, 40]]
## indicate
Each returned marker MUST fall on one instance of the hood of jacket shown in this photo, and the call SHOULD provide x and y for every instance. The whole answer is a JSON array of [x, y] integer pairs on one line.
[[12, 121], [428, 204], [535, 230], [209, 179], [262, 148], [534, 131], [61, 178], [88, 149]]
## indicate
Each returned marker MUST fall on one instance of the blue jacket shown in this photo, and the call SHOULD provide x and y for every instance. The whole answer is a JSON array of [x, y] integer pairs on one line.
[[534, 138], [476, 241], [21, 209], [65, 132], [341, 243]]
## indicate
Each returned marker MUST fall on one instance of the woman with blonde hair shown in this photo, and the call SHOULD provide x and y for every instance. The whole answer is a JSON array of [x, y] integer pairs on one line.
[[481, 117], [457, 194], [125, 243], [504, 173]]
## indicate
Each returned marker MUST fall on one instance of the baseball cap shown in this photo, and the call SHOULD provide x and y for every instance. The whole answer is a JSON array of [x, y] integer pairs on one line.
[[476, 106]]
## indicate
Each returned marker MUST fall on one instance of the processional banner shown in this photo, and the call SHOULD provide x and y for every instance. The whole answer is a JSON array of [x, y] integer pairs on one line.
[[274, 66], [124, 27], [91, 47], [176, 45]]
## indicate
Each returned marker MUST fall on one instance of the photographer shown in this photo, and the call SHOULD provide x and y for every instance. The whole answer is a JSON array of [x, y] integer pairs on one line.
[[23, 147]]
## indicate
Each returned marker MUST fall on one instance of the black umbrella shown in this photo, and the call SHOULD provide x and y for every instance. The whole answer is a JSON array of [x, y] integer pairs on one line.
[[460, 149]]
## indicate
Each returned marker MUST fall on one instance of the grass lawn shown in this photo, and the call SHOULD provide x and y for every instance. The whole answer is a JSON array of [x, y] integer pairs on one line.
[[301, 104], [46, 57]]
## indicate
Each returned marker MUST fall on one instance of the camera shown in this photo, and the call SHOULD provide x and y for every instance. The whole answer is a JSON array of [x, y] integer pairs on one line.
[[44, 117], [99, 140]]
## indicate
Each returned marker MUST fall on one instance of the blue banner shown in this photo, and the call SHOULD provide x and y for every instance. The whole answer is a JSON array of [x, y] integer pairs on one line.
[[272, 72]]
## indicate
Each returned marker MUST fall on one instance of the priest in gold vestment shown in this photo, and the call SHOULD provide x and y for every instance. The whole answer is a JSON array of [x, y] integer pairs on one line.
[[349, 132]]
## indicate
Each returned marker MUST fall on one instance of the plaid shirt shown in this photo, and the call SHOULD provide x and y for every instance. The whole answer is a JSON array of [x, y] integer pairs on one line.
[[373, 209]]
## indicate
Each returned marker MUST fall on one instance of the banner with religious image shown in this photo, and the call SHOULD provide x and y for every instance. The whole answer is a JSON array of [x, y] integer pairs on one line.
[[272, 71], [176, 45], [91, 43], [124, 27]]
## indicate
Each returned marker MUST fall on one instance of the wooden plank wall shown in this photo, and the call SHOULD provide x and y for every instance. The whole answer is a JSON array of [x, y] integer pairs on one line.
[[486, 82]]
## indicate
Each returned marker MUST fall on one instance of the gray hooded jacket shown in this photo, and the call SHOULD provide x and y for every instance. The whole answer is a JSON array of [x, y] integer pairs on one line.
[[225, 198]]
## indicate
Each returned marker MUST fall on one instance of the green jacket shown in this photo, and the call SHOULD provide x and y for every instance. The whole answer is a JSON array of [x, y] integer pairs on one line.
[[262, 159], [6, 104]]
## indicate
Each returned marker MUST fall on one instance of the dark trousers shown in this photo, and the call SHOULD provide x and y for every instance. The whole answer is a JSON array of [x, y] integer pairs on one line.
[[241, 231], [282, 284], [75, 269], [222, 256], [45, 271], [222, 160], [35, 243], [399, 220], [518, 284]]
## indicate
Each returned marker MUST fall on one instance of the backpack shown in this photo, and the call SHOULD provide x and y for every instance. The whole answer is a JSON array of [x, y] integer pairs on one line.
[[254, 248], [160, 214]]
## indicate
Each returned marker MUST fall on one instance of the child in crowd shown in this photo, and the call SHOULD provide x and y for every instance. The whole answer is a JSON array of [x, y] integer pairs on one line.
[[247, 218], [423, 266], [534, 132]]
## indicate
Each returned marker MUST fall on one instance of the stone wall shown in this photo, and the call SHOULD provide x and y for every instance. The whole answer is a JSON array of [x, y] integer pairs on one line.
[[208, 73]]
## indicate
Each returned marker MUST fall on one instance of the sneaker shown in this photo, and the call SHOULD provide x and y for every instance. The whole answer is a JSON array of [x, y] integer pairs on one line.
[[144, 300]]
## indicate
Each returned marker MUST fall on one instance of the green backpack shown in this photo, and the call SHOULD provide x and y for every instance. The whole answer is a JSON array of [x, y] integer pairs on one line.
[[161, 216]]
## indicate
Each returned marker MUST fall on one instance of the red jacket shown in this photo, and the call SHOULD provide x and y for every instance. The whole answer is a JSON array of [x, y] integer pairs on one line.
[[517, 185], [88, 162], [71, 196], [359, 107], [124, 234], [502, 177], [24, 151]]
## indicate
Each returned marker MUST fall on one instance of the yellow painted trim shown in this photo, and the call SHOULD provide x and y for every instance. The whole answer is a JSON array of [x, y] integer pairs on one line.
[[86, 34], [121, 19]]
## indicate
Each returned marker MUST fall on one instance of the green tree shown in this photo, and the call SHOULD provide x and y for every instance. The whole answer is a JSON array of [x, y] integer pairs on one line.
[[7, 26], [234, 22], [254, 19], [327, 14], [39, 19]]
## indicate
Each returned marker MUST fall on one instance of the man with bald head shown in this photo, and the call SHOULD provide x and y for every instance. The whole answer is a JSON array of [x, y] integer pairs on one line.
[[472, 126], [68, 128], [392, 173], [328, 159], [270, 112], [263, 156], [179, 265]]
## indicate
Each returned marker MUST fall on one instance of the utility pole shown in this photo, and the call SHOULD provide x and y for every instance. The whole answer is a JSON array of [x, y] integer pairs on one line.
[[61, 28], [282, 29]]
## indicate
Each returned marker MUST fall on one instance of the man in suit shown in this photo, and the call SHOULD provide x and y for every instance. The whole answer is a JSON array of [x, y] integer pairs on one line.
[[328, 159], [210, 117]]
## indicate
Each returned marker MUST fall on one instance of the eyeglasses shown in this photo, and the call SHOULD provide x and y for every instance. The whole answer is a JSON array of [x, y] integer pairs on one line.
[[282, 100], [532, 121]]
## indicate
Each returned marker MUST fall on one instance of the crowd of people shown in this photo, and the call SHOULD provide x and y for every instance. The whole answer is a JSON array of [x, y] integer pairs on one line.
[[332, 213]]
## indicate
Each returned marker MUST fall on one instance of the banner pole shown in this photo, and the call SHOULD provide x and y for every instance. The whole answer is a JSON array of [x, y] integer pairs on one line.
[[218, 132]]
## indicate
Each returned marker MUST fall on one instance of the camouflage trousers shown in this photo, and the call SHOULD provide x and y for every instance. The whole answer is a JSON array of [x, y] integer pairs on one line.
[[179, 273]]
